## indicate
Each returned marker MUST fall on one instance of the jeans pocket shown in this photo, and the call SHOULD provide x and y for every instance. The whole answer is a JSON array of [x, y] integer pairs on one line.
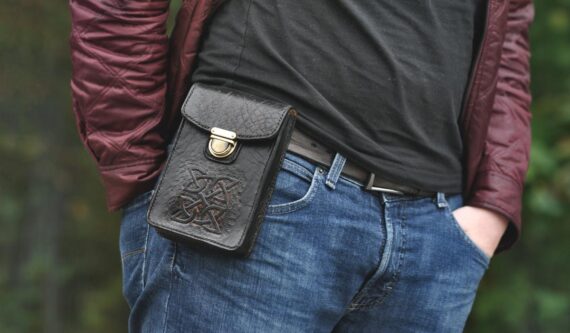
[[455, 202], [296, 185], [138, 201], [133, 237]]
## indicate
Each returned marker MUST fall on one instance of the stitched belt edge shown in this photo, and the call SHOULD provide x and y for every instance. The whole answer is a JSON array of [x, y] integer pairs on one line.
[[306, 146]]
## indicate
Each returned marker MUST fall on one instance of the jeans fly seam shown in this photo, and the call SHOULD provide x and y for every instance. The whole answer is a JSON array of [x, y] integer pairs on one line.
[[358, 302], [396, 275], [389, 286], [387, 252]]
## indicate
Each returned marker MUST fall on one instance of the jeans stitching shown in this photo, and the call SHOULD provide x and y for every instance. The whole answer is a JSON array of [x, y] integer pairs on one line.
[[468, 241], [145, 255], [298, 170], [363, 301], [342, 177], [335, 170], [306, 199], [171, 282], [389, 286], [461, 233], [300, 161], [131, 253]]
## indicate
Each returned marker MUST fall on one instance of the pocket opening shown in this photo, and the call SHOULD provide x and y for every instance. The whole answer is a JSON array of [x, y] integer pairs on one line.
[[295, 170], [449, 212]]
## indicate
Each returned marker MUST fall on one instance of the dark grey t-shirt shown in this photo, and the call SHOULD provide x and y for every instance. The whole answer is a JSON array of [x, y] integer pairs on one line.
[[380, 81]]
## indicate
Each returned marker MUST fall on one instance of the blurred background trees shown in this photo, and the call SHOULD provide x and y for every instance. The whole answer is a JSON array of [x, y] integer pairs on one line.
[[59, 262]]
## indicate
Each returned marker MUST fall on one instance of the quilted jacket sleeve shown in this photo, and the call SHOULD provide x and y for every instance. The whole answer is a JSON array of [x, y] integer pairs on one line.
[[502, 171], [119, 59]]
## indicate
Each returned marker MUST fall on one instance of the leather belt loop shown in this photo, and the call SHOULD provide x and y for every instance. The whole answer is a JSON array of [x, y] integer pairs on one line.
[[335, 170]]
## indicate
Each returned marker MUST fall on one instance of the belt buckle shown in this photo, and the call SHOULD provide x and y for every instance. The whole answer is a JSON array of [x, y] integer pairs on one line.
[[369, 186]]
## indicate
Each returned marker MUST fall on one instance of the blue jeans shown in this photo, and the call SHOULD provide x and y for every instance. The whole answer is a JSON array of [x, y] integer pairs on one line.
[[330, 257]]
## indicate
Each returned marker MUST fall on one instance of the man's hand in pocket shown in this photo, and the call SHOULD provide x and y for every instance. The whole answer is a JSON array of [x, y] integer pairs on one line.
[[484, 226]]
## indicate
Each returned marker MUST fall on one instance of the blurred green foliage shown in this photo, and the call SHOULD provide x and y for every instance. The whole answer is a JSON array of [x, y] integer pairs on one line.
[[59, 260]]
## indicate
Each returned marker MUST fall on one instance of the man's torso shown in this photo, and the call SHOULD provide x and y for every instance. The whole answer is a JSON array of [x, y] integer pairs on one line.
[[382, 82]]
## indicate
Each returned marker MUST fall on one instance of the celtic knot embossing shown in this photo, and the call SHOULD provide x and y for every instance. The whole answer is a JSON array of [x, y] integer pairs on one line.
[[206, 201]]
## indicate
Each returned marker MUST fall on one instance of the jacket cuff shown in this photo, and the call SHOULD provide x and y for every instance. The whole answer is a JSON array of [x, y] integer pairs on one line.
[[125, 182], [497, 192]]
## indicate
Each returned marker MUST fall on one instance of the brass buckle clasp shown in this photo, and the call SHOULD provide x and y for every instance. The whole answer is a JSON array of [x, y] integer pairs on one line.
[[222, 142]]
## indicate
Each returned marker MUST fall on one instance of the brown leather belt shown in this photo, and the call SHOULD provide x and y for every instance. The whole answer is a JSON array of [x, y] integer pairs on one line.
[[311, 149]]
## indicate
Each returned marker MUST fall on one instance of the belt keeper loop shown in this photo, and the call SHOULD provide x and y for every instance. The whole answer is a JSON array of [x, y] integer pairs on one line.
[[370, 181], [441, 202], [335, 170]]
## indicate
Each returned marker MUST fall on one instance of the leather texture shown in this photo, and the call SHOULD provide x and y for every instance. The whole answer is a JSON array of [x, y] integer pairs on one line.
[[129, 81], [205, 202], [247, 115]]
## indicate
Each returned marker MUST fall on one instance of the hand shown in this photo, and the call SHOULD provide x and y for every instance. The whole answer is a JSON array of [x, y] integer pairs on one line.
[[484, 226]]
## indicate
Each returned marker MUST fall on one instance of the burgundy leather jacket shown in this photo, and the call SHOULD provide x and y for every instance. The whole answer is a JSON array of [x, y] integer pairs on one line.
[[129, 81]]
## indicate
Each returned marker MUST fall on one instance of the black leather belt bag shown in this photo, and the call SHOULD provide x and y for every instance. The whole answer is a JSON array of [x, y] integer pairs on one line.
[[220, 174]]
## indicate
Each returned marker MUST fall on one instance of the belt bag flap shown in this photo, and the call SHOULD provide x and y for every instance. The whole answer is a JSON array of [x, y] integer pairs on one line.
[[250, 117], [221, 170]]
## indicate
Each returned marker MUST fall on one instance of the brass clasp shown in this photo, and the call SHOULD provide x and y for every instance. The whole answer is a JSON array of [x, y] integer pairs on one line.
[[222, 142]]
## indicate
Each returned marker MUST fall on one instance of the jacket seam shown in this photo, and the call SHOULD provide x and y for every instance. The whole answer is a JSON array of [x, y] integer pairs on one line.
[[116, 75], [121, 166], [500, 175], [492, 205]]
